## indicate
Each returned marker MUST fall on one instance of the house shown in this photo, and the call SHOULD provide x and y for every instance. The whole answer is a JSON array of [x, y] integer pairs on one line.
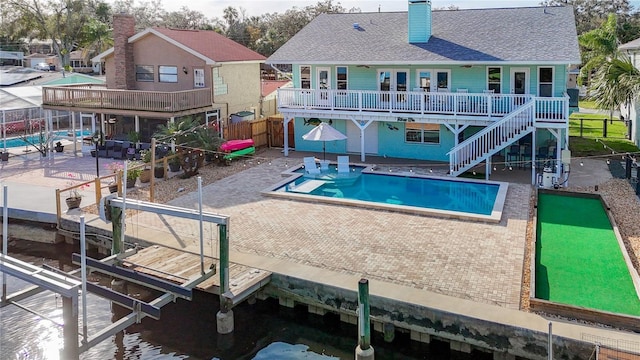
[[158, 75], [630, 111], [461, 86]]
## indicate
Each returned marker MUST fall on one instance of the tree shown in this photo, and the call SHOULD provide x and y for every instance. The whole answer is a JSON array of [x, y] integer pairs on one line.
[[599, 45], [96, 38], [615, 83], [591, 13], [61, 21]]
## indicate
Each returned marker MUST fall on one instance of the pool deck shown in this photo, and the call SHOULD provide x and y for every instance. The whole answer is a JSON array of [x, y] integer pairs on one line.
[[461, 266]]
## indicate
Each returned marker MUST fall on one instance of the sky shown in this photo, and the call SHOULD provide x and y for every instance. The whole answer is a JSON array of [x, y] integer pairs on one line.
[[213, 8]]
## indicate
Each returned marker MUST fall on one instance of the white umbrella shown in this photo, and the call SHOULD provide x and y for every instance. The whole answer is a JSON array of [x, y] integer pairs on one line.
[[324, 132]]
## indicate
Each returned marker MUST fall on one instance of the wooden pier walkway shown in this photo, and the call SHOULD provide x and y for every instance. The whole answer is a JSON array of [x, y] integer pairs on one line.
[[179, 266]]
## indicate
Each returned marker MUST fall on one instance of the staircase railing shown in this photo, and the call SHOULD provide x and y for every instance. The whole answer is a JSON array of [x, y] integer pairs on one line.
[[492, 139]]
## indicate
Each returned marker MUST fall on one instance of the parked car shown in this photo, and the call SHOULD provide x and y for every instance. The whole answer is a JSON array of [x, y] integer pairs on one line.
[[42, 66]]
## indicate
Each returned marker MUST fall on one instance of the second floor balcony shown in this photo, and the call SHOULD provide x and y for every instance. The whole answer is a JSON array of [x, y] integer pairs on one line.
[[91, 98], [459, 105]]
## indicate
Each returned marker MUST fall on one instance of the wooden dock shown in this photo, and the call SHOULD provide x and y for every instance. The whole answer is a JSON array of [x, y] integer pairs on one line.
[[179, 266]]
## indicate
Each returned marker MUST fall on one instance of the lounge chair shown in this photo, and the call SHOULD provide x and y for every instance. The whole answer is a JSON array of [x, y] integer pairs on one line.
[[310, 166], [343, 164]]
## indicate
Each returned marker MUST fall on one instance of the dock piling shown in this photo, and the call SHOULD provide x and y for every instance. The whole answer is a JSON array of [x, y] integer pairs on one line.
[[364, 350]]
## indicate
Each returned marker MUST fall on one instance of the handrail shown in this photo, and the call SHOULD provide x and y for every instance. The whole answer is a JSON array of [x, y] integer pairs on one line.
[[491, 138]]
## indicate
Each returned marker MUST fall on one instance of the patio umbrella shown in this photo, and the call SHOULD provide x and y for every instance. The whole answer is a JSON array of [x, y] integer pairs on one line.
[[324, 132]]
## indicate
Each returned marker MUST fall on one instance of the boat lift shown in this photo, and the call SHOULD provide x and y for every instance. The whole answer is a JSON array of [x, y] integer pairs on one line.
[[68, 285]]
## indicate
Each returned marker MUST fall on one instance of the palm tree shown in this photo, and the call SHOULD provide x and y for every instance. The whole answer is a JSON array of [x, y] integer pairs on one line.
[[599, 45], [615, 83]]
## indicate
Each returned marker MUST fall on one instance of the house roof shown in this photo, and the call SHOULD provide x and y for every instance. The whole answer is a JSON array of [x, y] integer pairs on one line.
[[270, 86], [631, 45], [504, 35], [205, 44]]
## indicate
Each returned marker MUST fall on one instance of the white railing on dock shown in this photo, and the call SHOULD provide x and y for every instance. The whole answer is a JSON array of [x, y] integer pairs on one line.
[[547, 109], [491, 139]]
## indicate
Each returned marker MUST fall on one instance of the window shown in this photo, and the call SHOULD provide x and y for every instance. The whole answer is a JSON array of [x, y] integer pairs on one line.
[[305, 77], [144, 73], [168, 73], [443, 80], [545, 81], [422, 133], [341, 78], [198, 78], [494, 79]]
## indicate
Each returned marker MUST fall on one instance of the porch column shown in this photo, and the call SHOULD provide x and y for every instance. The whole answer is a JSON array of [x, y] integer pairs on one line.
[[285, 124], [534, 146], [4, 131], [136, 123], [102, 129], [362, 156], [73, 128]]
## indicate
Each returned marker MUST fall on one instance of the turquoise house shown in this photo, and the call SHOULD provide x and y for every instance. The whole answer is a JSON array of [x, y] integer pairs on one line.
[[460, 86]]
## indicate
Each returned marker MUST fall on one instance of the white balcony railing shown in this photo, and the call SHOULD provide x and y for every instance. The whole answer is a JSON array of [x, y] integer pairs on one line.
[[554, 109]]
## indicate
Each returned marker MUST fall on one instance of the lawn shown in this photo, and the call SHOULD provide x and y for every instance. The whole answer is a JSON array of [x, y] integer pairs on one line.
[[578, 259], [592, 143]]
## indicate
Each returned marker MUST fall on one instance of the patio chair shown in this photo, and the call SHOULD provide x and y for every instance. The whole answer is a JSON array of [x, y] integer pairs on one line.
[[343, 164], [310, 166]]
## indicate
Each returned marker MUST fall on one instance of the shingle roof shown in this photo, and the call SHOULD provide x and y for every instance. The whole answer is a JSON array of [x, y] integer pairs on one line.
[[212, 45], [207, 44], [515, 35], [631, 45]]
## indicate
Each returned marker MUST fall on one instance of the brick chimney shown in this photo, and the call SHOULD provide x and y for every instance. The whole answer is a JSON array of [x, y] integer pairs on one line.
[[123, 28]]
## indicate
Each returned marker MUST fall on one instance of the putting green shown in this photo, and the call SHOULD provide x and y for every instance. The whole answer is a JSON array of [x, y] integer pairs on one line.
[[578, 259]]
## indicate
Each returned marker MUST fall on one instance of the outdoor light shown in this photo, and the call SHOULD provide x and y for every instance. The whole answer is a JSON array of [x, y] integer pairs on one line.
[[581, 163], [608, 162], [184, 70]]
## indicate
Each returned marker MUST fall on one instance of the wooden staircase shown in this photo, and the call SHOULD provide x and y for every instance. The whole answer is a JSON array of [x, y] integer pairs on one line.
[[492, 139]]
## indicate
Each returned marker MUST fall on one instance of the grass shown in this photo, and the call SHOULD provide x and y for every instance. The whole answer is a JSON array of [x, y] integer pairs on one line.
[[592, 143], [587, 104], [578, 259]]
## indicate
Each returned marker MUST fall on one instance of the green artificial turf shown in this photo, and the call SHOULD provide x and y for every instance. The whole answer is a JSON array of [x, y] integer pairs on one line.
[[578, 259]]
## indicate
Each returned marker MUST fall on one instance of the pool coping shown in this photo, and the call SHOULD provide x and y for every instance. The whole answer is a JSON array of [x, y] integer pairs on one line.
[[290, 174], [596, 315]]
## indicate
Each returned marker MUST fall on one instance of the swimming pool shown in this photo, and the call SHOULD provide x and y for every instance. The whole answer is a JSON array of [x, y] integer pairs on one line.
[[407, 192], [17, 141]]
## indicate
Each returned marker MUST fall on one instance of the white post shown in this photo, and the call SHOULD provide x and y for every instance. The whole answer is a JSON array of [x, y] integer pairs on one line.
[[534, 146], [73, 129], [4, 131], [285, 123], [550, 342], [124, 206], [201, 221], [83, 268], [5, 237]]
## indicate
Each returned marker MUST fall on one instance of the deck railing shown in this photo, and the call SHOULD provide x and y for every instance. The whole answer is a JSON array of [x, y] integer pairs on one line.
[[97, 98], [548, 109]]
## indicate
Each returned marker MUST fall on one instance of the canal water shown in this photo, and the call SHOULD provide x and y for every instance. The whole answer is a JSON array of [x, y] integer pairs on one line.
[[187, 329]]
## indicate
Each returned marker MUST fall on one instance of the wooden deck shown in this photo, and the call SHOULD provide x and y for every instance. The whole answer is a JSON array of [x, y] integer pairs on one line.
[[180, 266]]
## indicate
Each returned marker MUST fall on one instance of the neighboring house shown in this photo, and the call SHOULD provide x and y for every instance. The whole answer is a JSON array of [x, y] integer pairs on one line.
[[458, 86], [269, 104], [158, 75], [79, 63], [34, 59], [630, 111]]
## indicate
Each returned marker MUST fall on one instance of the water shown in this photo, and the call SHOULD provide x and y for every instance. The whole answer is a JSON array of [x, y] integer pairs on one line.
[[17, 142], [423, 192], [187, 329]]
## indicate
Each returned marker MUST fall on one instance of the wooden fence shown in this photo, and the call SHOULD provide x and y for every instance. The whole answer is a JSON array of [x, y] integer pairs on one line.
[[264, 132]]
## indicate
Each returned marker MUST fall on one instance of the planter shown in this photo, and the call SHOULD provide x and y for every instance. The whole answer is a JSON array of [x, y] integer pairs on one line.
[[174, 167], [73, 202], [131, 183], [145, 176], [113, 188], [59, 148], [4, 156], [158, 172], [93, 153]]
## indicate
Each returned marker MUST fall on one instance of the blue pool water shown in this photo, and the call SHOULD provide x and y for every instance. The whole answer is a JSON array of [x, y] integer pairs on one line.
[[400, 190], [17, 142]]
